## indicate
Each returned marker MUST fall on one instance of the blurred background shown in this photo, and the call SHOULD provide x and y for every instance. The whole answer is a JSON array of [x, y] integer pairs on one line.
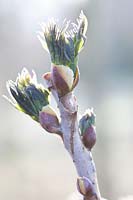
[[34, 164]]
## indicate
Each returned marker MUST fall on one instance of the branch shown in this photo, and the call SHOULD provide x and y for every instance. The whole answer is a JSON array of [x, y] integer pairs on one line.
[[81, 156], [32, 98]]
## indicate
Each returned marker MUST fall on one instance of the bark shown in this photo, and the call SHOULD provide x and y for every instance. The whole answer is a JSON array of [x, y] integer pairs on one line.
[[82, 157]]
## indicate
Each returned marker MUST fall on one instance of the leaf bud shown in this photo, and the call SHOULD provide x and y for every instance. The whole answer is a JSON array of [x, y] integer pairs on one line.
[[49, 120], [27, 95], [88, 129], [85, 187]]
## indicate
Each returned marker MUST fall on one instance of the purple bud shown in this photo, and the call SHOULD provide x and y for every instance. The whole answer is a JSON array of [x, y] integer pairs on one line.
[[62, 78], [89, 137], [47, 76], [48, 119], [85, 187], [87, 129]]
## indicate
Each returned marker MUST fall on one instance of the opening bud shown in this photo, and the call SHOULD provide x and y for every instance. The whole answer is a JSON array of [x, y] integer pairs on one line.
[[64, 45], [27, 95], [87, 129]]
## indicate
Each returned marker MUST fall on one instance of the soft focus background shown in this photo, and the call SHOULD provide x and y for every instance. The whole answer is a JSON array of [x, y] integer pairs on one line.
[[34, 164]]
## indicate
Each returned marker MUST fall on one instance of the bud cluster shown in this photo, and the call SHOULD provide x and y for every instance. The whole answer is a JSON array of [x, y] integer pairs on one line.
[[64, 46]]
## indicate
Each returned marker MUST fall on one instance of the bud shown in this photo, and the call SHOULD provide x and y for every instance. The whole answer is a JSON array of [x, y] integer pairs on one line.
[[27, 95], [47, 76], [85, 187], [64, 46], [48, 119], [87, 129], [62, 78]]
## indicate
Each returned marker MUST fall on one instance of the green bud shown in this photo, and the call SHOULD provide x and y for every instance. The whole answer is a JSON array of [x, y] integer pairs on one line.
[[64, 45], [27, 95], [87, 120]]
